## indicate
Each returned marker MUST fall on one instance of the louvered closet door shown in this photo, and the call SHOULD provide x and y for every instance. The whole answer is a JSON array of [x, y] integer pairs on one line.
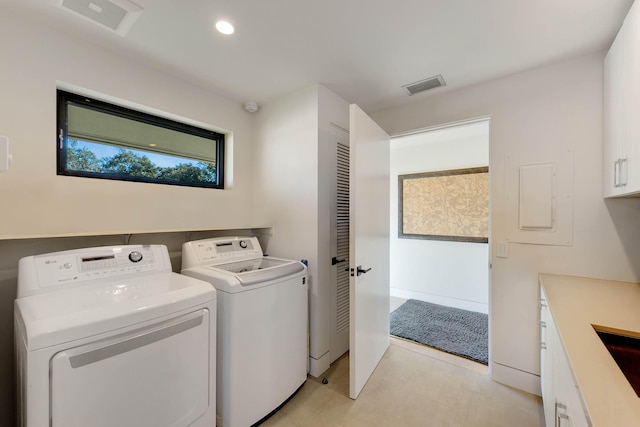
[[340, 244]]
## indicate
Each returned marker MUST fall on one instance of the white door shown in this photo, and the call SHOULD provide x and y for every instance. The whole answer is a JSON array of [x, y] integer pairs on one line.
[[369, 248]]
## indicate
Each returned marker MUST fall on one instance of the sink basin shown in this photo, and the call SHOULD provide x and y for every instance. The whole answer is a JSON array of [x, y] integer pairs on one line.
[[624, 347]]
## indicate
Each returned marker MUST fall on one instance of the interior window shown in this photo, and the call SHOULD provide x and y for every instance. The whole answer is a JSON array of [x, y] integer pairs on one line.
[[101, 140]]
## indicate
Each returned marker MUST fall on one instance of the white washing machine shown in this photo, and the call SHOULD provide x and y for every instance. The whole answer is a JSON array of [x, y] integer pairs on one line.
[[262, 325], [110, 336]]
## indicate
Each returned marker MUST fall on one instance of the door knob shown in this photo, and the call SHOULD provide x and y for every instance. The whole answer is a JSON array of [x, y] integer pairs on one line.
[[360, 270], [335, 260]]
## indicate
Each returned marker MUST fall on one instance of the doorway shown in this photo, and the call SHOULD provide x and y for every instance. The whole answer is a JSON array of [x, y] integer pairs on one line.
[[446, 272]]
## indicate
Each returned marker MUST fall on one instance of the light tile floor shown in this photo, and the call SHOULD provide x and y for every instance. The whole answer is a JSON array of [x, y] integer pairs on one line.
[[409, 388], [413, 385], [395, 302]]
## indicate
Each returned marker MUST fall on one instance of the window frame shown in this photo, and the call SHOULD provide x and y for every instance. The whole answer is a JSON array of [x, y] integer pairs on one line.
[[62, 139]]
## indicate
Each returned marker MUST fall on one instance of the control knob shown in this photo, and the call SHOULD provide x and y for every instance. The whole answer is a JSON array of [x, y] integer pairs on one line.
[[135, 256], [243, 244]]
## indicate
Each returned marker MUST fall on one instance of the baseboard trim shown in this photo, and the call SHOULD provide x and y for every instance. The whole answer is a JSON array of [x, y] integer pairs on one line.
[[441, 300], [515, 378]]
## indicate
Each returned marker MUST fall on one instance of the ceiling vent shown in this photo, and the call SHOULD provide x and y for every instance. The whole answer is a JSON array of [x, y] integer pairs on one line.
[[422, 85], [118, 15]]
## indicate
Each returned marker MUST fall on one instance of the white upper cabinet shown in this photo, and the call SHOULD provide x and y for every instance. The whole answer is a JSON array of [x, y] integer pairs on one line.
[[621, 154], [613, 132]]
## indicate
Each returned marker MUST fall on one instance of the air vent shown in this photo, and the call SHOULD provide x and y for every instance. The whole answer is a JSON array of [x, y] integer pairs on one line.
[[117, 15], [421, 86]]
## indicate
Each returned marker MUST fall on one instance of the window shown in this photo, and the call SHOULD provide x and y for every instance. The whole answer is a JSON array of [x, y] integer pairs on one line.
[[100, 140]]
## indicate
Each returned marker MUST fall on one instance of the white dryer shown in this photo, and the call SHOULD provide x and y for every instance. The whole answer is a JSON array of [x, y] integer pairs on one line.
[[262, 325], [110, 336]]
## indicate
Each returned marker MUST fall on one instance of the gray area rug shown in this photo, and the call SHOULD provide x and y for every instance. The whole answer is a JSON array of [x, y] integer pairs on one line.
[[460, 332]]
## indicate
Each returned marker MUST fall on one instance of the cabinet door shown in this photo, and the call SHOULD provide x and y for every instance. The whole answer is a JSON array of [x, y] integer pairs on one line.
[[614, 96], [569, 411], [621, 154], [631, 100], [561, 397], [546, 362]]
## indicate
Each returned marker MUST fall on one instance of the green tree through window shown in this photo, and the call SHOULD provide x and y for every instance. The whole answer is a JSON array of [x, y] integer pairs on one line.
[[81, 159], [134, 163]]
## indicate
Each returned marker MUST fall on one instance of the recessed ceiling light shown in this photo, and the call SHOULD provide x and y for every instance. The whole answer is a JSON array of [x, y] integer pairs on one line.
[[224, 27]]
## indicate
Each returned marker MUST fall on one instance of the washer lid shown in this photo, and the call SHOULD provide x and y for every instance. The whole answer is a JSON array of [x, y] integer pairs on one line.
[[56, 317], [260, 270], [245, 275]]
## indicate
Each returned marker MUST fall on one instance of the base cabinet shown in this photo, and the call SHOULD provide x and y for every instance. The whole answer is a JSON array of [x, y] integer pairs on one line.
[[561, 396]]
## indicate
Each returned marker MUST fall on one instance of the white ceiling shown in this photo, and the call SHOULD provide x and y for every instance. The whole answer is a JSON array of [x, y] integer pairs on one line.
[[364, 50]]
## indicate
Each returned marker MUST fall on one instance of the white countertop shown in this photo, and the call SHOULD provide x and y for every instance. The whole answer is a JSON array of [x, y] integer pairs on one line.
[[577, 303]]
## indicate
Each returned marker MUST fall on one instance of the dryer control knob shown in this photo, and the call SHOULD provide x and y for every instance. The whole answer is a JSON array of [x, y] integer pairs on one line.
[[243, 244], [135, 256]]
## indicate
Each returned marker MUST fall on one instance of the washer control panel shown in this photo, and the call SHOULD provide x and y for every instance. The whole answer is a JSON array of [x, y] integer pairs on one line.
[[68, 267], [220, 250]]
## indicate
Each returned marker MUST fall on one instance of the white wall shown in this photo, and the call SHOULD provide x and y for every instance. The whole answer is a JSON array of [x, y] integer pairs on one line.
[[443, 272], [292, 149], [286, 187], [285, 162], [536, 113], [37, 202]]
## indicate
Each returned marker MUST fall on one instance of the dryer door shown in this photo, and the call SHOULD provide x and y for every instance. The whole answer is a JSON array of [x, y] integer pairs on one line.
[[155, 376]]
